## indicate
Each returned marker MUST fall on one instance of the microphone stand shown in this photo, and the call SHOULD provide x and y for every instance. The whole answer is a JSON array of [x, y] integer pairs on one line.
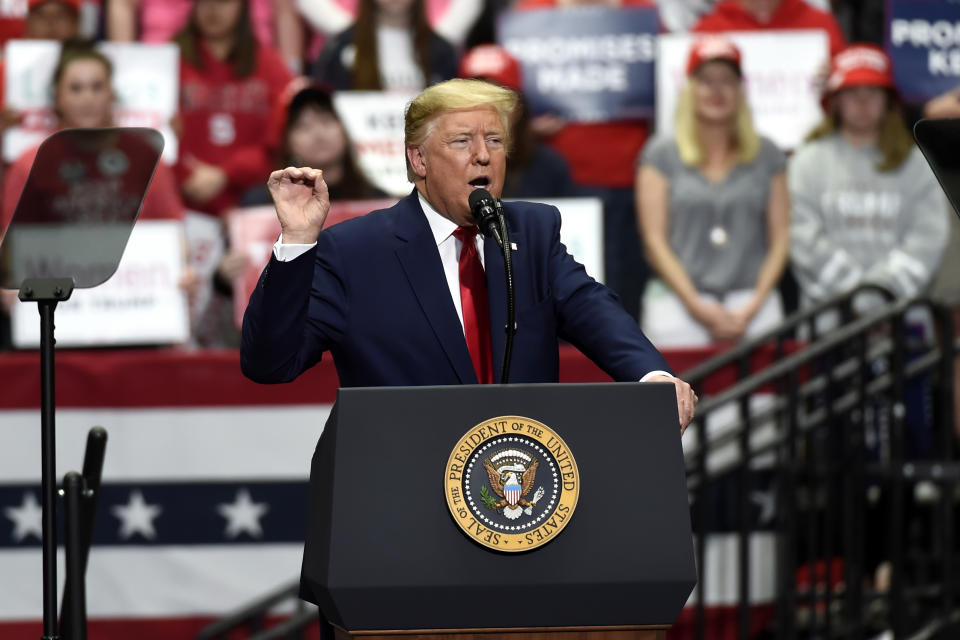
[[511, 327]]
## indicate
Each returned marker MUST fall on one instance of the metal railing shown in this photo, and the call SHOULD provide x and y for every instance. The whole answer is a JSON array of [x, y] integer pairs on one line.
[[253, 616], [838, 447]]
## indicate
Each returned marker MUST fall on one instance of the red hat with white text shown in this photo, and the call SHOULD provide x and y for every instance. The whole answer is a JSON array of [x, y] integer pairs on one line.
[[492, 62], [710, 48], [860, 65]]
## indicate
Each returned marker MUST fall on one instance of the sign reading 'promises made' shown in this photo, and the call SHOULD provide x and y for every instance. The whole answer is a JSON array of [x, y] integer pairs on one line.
[[589, 64]]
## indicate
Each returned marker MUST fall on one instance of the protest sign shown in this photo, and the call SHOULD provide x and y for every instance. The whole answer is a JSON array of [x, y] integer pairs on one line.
[[588, 64], [780, 70], [254, 230], [374, 123], [142, 303], [146, 80], [923, 41], [206, 245]]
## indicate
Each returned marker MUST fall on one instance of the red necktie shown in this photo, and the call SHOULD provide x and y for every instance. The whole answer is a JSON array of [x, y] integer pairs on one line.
[[476, 308]]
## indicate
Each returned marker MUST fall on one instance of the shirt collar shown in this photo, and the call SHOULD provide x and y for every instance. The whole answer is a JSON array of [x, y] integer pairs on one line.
[[441, 227]]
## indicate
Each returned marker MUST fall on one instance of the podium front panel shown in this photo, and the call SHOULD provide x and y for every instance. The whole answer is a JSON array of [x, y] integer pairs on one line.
[[384, 552]]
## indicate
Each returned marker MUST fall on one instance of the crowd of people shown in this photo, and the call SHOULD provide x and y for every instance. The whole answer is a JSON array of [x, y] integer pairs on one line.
[[711, 232]]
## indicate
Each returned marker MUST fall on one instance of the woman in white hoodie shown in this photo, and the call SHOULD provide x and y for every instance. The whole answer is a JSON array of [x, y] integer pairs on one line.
[[865, 206]]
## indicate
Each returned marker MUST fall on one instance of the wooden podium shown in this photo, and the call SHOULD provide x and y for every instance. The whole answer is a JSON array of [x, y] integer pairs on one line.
[[386, 557], [578, 633]]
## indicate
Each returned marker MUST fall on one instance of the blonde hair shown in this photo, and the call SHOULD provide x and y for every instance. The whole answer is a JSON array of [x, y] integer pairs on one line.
[[458, 93], [688, 141], [893, 141]]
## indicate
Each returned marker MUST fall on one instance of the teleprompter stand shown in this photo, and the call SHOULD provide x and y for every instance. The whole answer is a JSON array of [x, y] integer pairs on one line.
[[385, 558], [47, 292], [69, 229]]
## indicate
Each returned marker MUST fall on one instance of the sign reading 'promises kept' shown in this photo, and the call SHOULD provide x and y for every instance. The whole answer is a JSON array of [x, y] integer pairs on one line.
[[589, 64], [923, 40]]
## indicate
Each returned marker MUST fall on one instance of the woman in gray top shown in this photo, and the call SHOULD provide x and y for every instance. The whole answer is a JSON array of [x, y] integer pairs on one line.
[[714, 212]]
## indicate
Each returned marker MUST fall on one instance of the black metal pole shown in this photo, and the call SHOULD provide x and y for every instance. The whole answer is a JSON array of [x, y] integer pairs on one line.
[[813, 531], [75, 611], [857, 510], [787, 512], [700, 506], [896, 482], [947, 362], [744, 510], [92, 472], [830, 482], [48, 469]]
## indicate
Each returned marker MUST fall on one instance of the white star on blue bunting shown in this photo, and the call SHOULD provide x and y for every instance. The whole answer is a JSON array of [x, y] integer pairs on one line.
[[137, 517], [27, 518], [243, 515]]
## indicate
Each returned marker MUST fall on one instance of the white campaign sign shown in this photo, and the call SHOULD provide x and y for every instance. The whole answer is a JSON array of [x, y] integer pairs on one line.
[[374, 122], [146, 82], [205, 248], [780, 70], [141, 304]]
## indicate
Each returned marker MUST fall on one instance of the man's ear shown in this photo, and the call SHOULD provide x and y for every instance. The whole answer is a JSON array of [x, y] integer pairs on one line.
[[417, 161]]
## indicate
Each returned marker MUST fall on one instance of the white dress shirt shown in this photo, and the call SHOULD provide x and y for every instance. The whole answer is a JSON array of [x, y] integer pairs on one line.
[[448, 246]]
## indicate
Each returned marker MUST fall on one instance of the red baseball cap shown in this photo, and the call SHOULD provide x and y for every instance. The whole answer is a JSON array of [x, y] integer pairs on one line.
[[710, 48], [859, 65], [492, 62], [73, 4]]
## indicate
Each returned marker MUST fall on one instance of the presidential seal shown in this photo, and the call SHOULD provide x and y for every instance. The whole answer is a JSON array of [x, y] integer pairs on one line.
[[511, 483]]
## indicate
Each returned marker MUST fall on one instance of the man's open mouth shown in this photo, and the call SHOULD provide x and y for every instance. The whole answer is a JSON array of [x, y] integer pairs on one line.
[[480, 183]]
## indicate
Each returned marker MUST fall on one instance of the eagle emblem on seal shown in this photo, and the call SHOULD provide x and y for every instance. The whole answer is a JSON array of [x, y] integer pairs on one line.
[[512, 475]]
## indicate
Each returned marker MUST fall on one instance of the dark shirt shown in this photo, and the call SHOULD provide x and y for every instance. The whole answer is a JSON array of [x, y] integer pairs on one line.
[[330, 69], [544, 175]]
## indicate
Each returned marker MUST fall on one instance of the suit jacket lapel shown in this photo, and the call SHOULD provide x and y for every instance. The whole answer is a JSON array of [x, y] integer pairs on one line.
[[497, 297], [420, 260]]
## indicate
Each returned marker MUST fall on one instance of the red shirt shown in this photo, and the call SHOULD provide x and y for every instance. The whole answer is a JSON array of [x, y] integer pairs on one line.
[[729, 15], [601, 154], [226, 122], [11, 25], [103, 181]]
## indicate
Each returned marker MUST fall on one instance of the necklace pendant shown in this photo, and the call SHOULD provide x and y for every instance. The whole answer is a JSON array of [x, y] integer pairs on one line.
[[719, 236]]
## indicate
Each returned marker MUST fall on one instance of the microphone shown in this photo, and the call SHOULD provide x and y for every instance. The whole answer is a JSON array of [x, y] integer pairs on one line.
[[489, 214], [483, 208]]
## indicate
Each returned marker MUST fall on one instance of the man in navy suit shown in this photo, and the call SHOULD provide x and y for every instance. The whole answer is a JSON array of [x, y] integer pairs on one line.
[[408, 295]]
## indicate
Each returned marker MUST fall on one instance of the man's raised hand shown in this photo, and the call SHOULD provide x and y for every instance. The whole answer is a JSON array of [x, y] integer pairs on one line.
[[302, 202]]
